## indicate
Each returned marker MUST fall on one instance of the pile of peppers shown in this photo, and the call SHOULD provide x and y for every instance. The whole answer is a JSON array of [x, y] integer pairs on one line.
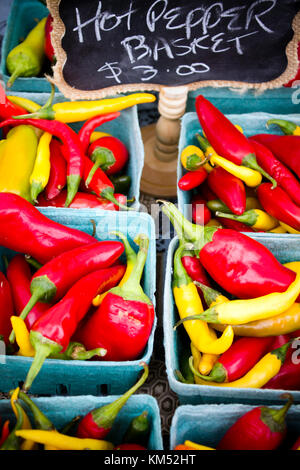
[[43, 160], [261, 428], [239, 307], [66, 295], [88, 432], [247, 184]]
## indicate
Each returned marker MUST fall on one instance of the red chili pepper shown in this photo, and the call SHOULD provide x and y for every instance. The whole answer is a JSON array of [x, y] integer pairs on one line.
[[288, 378], [19, 277], [285, 147], [192, 179], [261, 428], [53, 280], [90, 125], [130, 447], [234, 225], [24, 229], [284, 177], [71, 149], [97, 423], [4, 432], [239, 359], [229, 189], [82, 201], [195, 270], [49, 51], [225, 138], [6, 307], [200, 212], [109, 153], [123, 322], [52, 332], [278, 204], [100, 183], [58, 171], [7, 108], [241, 265]]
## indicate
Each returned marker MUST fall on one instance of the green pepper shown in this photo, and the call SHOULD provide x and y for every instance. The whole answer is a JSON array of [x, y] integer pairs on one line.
[[138, 430]]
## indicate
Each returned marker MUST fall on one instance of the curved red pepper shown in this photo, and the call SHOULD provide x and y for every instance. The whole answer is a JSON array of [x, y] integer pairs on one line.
[[278, 204], [7, 108], [71, 148], [288, 378], [225, 138], [19, 277], [58, 171], [90, 125], [229, 189], [82, 201], [285, 147], [52, 332], [261, 428], [123, 322], [53, 280], [49, 51], [200, 212], [192, 179], [6, 307], [24, 229], [195, 270], [284, 177], [109, 153], [234, 225]]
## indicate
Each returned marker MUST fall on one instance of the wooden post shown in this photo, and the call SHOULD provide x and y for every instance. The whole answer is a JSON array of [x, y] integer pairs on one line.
[[159, 176]]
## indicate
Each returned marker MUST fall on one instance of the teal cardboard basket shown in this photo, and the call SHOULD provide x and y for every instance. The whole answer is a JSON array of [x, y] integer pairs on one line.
[[207, 424], [21, 20], [125, 127], [175, 342], [251, 123], [88, 377], [61, 410]]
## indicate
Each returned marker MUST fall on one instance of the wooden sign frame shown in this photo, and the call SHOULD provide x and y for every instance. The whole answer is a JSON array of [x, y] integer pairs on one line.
[[75, 94]]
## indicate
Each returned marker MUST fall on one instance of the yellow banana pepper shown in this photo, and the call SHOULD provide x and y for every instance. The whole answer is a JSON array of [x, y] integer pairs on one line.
[[288, 229], [278, 229], [22, 337], [196, 361], [41, 171], [195, 446], [207, 361], [251, 178], [25, 103], [63, 442], [28, 444], [288, 127], [188, 303], [236, 312], [17, 162], [255, 218], [192, 158], [97, 135]]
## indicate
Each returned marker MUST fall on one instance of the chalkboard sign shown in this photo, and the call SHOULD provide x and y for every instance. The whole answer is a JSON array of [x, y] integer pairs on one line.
[[108, 46]]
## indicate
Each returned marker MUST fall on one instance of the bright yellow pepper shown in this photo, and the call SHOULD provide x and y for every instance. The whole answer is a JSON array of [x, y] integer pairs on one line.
[[97, 135], [41, 171], [17, 162], [207, 361], [195, 446], [288, 229], [255, 218], [251, 178], [27, 444], [278, 229], [192, 158], [236, 312], [22, 337], [25, 103], [63, 442]]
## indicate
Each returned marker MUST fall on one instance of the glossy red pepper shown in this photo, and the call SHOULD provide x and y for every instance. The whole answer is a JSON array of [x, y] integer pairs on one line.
[[192, 179], [123, 322], [239, 359], [24, 229], [82, 201], [19, 277], [130, 447], [200, 212], [229, 189], [97, 423], [234, 225], [53, 280], [58, 171], [109, 153], [52, 332], [284, 177], [241, 265], [288, 378], [6, 307], [225, 138], [261, 428], [71, 149], [278, 204], [90, 125], [4, 432], [285, 147], [7, 108], [195, 270], [49, 51]]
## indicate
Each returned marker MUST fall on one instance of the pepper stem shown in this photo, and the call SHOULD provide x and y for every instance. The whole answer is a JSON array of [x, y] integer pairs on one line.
[[249, 217], [45, 112], [14, 76], [210, 295], [129, 251], [29, 306], [134, 279], [41, 420], [210, 315], [250, 162], [105, 415], [108, 194], [180, 276], [287, 127], [275, 419], [73, 182]]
